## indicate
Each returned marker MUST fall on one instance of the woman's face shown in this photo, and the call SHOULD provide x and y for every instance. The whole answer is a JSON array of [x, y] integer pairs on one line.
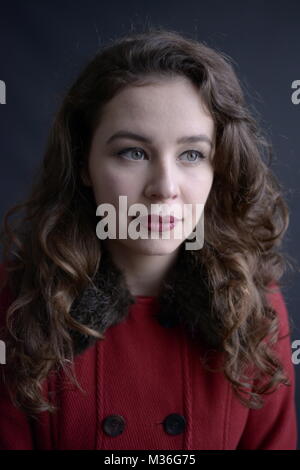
[[158, 167]]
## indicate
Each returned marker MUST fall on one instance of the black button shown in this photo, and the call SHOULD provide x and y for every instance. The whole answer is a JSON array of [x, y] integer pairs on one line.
[[174, 424], [113, 425], [167, 321]]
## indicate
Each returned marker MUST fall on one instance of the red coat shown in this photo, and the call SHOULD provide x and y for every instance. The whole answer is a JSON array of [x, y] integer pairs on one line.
[[152, 392]]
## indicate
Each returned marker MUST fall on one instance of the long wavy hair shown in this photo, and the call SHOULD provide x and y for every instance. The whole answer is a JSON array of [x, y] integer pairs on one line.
[[52, 252]]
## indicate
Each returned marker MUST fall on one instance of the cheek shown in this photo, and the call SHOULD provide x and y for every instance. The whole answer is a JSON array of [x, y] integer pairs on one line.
[[201, 185], [197, 193], [109, 184]]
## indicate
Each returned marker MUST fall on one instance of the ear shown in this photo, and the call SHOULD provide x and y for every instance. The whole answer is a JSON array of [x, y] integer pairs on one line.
[[85, 177]]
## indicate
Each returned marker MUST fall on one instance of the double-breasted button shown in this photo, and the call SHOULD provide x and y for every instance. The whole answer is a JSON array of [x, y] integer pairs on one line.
[[174, 424], [167, 321], [113, 425]]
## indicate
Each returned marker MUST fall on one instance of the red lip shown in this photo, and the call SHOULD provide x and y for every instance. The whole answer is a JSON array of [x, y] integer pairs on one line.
[[169, 219], [158, 223]]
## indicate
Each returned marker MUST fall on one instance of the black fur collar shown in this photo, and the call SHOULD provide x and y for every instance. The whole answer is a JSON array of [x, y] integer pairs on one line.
[[184, 299]]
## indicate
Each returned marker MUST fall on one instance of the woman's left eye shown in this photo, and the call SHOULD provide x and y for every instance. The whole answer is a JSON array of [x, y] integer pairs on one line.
[[196, 154]]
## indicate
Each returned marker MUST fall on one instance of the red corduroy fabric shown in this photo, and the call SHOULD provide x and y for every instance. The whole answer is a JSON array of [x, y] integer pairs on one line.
[[145, 372]]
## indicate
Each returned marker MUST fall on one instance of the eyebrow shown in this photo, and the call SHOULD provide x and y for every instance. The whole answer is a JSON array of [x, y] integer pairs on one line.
[[182, 140]]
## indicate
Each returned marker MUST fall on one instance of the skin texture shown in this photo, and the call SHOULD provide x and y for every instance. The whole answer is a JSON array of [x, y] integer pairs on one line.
[[160, 172]]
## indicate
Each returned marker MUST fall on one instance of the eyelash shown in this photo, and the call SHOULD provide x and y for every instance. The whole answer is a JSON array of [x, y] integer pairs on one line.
[[203, 157]]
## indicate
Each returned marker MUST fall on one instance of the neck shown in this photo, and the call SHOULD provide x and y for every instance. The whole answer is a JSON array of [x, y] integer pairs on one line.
[[144, 273]]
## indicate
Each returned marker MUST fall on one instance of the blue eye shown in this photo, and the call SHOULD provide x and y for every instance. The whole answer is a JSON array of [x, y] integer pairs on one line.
[[199, 154], [136, 152]]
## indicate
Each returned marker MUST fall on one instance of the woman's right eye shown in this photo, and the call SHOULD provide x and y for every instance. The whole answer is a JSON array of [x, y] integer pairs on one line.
[[135, 152]]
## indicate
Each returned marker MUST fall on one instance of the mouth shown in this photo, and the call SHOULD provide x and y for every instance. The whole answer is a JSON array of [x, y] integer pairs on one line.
[[167, 219], [158, 223]]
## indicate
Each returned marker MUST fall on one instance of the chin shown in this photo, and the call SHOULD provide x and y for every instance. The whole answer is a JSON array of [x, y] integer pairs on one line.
[[152, 247]]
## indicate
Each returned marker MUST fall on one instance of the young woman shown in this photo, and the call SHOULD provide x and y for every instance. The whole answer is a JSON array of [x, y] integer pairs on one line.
[[147, 342]]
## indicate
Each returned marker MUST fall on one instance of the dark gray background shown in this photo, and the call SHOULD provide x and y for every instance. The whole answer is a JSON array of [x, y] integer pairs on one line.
[[44, 44]]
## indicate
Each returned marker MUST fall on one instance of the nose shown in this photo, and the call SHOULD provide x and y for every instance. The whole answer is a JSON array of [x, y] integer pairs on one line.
[[162, 183]]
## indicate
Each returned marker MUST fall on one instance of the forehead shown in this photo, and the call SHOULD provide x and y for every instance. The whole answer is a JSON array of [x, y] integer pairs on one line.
[[169, 106]]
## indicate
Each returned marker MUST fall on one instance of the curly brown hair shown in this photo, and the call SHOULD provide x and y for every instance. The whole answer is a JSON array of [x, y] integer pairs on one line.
[[52, 252]]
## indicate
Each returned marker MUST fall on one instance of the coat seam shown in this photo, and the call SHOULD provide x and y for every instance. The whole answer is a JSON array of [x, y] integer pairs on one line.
[[99, 392], [187, 394], [226, 417], [52, 418]]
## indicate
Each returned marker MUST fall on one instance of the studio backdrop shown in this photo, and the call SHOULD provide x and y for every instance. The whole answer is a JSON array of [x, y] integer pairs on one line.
[[44, 45]]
